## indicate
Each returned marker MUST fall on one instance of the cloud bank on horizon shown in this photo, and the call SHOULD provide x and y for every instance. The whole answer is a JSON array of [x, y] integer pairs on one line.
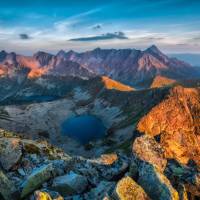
[[28, 26]]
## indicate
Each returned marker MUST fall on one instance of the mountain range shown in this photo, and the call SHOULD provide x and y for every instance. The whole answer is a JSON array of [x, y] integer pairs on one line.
[[192, 58], [130, 66]]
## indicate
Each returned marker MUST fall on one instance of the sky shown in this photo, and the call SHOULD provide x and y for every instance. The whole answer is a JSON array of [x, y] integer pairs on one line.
[[27, 26]]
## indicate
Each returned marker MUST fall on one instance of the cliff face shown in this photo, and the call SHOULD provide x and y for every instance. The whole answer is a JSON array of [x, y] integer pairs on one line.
[[176, 122]]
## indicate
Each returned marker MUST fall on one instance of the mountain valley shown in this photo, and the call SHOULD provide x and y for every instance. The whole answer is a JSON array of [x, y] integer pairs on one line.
[[136, 115]]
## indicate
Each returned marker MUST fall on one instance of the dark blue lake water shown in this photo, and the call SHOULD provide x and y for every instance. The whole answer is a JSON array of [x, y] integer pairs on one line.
[[84, 128]]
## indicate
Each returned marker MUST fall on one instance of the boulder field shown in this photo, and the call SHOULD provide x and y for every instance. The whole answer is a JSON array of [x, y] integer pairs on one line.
[[36, 170], [162, 163]]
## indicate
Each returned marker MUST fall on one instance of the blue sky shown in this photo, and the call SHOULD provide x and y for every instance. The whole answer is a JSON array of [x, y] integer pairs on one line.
[[27, 26]]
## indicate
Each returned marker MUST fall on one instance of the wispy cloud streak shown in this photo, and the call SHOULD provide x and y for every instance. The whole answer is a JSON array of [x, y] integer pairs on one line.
[[107, 36]]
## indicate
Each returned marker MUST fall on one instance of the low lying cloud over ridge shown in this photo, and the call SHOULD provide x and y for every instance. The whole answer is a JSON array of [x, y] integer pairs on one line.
[[107, 36]]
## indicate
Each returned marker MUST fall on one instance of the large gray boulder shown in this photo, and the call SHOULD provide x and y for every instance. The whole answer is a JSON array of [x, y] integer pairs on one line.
[[10, 152], [155, 184], [145, 148], [103, 189], [7, 188], [107, 167], [70, 184], [37, 178]]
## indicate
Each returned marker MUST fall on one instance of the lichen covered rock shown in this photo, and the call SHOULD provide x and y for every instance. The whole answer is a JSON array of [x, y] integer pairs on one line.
[[36, 179], [70, 184], [128, 189], [40, 195], [10, 152], [145, 148]]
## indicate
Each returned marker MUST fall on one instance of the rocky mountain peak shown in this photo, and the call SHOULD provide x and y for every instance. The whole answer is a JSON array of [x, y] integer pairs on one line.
[[70, 55], [97, 49], [155, 51], [61, 54], [3, 55], [153, 48], [43, 57], [11, 59], [41, 53]]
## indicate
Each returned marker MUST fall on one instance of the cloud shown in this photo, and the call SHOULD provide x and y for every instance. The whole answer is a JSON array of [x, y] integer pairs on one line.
[[154, 38], [107, 36], [71, 21], [181, 44], [97, 27], [149, 38], [196, 39], [24, 36]]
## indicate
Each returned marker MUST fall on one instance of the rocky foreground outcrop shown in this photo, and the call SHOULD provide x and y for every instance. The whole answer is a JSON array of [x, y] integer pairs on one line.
[[175, 123], [39, 171]]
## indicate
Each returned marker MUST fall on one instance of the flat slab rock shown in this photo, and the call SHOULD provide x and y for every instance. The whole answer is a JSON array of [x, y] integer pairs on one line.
[[7, 188], [70, 184], [36, 179]]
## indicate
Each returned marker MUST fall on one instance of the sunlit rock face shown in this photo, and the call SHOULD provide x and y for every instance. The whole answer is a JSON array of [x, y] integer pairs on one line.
[[146, 149], [127, 189], [111, 84], [161, 81], [176, 122]]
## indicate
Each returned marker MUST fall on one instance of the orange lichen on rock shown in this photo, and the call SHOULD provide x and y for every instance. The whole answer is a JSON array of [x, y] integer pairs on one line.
[[176, 120], [111, 84], [128, 189], [109, 159], [161, 81]]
